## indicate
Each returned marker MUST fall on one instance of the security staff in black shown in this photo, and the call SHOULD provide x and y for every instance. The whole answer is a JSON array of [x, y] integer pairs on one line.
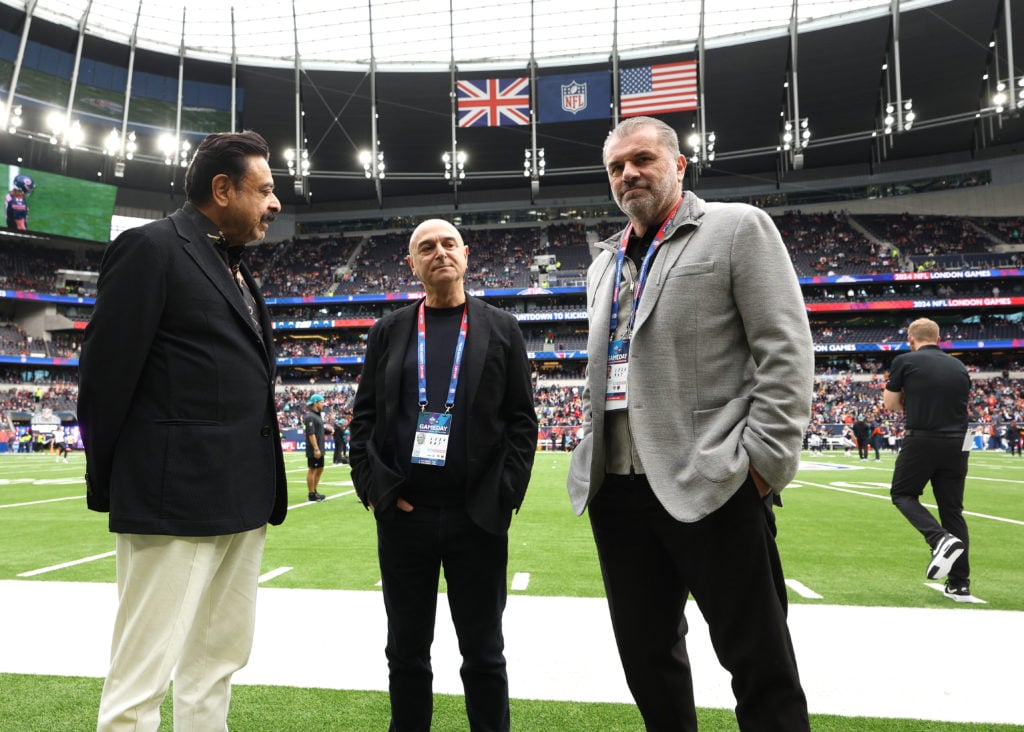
[[933, 388]]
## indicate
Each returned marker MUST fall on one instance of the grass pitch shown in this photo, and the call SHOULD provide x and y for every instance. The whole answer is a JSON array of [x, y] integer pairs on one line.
[[839, 537]]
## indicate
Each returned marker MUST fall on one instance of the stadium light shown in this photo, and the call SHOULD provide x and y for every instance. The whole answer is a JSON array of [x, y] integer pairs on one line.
[[454, 166], [112, 143], [534, 166], [373, 166], [14, 122], [75, 135], [168, 145], [702, 150]]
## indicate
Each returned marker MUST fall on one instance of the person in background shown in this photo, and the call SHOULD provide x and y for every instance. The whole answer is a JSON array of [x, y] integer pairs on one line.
[[933, 389], [16, 202], [313, 427], [862, 434], [444, 433], [698, 391], [60, 444], [1013, 439], [340, 441], [177, 414]]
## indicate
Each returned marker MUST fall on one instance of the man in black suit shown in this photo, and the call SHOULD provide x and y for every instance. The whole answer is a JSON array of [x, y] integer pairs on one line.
[[443, 438], [176, 406]]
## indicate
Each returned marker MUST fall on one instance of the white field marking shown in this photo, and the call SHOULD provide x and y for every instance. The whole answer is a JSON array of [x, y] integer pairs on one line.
[[45, 500], [303, 469], [266, 577], [54, 568], [520, 580], [329, 498], [837, 487], [997, 480], [861, 484], [942, 588], [803, 590], [337, 482]]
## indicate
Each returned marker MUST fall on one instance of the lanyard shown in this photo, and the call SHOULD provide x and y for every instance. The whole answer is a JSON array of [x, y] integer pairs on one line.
[[421, 356], [620, 259]]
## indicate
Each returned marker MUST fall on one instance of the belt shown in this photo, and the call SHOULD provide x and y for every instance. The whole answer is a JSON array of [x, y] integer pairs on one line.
[[929, 433]]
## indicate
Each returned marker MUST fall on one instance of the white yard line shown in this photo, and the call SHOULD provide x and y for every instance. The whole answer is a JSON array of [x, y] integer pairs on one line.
[[267, 576], [313, 503], [803, 590], [65, 565], [44, 500], [887, 498]]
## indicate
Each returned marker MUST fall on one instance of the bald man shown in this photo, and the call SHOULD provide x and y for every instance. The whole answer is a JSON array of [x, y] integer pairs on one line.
[[443, 436]]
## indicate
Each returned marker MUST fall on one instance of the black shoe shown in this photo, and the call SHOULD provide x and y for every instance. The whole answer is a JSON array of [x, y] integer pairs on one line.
[[958, 591], [946, 552], [315, 497]]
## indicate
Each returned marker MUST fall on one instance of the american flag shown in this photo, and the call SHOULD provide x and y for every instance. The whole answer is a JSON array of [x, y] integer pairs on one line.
[[494, 102], [658, 89]]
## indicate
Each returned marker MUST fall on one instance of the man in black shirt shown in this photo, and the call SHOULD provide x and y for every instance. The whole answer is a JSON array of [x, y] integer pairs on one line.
[[861, 433], [313, 426], [933, 388], [443, 438]]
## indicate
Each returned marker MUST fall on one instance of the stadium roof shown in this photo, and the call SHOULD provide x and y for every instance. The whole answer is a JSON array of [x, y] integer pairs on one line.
[[950, 56]]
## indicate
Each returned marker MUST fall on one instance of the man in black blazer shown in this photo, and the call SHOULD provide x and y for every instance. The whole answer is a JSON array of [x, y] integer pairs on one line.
[[443, 436], [176, 406]]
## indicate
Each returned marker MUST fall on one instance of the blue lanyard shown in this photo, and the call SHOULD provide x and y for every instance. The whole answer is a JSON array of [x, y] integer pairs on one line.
[[421, 356], [620, 259]]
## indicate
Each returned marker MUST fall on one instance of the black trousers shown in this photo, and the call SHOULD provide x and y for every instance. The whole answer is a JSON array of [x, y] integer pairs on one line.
[[729, 561], [412, 548], [941, 461]]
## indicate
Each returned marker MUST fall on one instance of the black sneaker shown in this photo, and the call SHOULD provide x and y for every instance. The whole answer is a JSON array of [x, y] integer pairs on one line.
[[316, 497], [945, 553], [958, 591]]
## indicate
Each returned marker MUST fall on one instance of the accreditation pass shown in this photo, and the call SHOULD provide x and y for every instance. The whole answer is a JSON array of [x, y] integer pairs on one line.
[[430, 445], [615, 396]]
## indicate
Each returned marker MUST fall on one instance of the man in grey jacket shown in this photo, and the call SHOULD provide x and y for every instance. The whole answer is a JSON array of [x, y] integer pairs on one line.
[[697, 395]]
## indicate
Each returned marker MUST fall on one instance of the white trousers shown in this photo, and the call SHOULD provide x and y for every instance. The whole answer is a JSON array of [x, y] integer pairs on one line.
[[186, 605]]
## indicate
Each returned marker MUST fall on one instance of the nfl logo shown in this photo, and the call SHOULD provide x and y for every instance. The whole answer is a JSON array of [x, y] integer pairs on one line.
[[574, 97]]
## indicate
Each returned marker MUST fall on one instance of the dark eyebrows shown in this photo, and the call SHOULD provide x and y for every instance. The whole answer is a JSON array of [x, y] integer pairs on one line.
[[429, 242]]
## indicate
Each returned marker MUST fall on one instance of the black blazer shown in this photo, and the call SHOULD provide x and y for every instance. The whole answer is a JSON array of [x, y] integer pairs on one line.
[[501, 426], [176, 391]]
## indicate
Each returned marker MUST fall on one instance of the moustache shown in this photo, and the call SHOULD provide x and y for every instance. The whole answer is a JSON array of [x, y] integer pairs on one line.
[[267, 219]]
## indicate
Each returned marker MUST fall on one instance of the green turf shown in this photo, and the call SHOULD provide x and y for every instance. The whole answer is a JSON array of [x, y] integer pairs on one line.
[[838, 534]]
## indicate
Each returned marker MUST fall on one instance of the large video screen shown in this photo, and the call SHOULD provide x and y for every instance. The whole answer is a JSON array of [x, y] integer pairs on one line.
[[58, 204]]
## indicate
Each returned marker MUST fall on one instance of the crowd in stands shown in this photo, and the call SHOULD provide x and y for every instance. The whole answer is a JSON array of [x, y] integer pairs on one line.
[[838, 400], [323, 345], [823, 244], [543, 337], [928, 290], [820, 243], [989, 328], [300, 268]]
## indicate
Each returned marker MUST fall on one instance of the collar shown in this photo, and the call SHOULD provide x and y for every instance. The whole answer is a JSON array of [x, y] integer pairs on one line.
[[231, 255], [690, 213]]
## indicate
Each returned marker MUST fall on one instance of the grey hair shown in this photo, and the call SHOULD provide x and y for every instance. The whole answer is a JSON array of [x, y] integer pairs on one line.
[[666, 135]]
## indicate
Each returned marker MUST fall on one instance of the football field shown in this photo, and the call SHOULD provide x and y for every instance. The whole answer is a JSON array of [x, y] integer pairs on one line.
[[879, 646]]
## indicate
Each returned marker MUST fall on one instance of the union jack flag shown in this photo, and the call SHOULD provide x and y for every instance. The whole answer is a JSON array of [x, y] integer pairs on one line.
[[494, 102]]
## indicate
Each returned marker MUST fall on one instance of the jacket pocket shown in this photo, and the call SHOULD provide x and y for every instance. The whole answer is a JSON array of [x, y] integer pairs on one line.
[[718, 436]]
